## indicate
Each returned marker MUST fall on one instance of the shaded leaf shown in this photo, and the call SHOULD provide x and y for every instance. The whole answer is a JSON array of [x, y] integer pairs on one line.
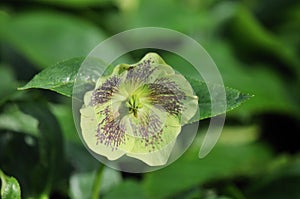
[[81, 183], [186, 17], [127, 190], [15, 120], [77, 3], [8, 85], [284, 182], [48, 172], [19, 156], [63, 113], [225, 160], [48, 37], [264, 83], [247, 31]]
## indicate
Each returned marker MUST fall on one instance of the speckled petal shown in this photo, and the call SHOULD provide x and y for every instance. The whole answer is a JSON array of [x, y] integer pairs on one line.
[[175, 95], [89, 128], [138, 110]]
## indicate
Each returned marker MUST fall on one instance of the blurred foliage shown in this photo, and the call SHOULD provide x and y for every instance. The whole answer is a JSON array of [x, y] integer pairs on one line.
[[256, 46]]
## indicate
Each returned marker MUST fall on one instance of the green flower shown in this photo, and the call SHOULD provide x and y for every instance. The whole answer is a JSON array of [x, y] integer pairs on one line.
[[138, 110]]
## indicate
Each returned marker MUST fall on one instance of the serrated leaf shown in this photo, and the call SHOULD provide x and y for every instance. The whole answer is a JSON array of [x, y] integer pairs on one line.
[[10, 187], [234, 98], [60, 78]]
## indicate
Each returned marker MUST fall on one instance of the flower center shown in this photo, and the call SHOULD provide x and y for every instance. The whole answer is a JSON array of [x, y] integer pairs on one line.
[[134, 104]]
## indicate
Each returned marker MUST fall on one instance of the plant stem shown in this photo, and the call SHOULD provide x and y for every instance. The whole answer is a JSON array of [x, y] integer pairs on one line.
[[97, 182]]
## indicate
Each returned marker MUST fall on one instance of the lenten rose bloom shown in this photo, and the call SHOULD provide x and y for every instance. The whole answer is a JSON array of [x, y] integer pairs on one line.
[[137, 111]]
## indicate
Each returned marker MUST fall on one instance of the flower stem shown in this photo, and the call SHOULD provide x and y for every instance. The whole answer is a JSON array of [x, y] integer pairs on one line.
[[97, 182]]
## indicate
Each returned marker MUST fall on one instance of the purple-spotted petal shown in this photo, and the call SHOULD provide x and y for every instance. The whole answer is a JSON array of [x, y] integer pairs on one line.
[[138, 110]]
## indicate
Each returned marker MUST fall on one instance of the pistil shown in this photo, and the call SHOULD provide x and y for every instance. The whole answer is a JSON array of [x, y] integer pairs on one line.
[[134, 104]]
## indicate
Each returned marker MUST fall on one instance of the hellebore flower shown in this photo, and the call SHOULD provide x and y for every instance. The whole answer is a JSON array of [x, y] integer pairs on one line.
[[138, 110]]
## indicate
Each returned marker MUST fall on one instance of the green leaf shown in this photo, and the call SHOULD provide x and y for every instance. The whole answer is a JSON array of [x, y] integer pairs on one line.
[[127, 190], [185, 17], [225, 161], [31, 147], [15, 120], [81, 183], [247, 31], [10, 187], [234, 98], [77, 3], [264, 83], [45, 38], [283, 182], [64, 115], [49, 170], [8, 85], [60, 78]]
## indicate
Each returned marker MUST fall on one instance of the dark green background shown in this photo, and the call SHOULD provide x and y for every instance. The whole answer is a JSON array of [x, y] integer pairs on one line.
[[256, 46]]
